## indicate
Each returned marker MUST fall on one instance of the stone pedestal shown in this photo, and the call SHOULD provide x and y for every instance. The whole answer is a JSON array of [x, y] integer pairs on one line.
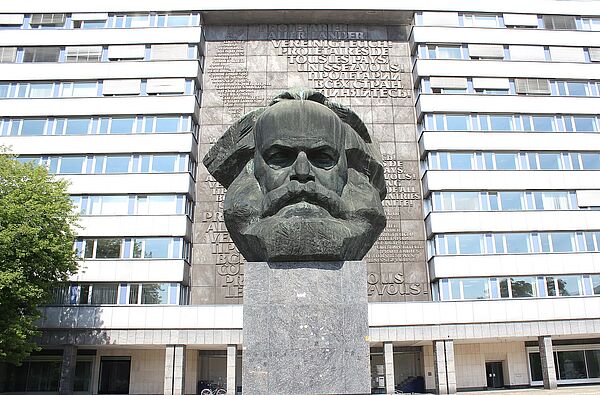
[[305, 328]]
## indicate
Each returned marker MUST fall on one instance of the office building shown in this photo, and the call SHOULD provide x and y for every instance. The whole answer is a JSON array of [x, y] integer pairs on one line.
[[488, 274]]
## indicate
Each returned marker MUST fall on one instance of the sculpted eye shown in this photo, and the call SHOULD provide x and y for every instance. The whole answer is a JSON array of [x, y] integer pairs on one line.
[[280, 157], [322, 158]]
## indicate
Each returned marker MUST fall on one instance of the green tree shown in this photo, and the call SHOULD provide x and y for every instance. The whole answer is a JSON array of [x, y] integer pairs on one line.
[[37, 223]]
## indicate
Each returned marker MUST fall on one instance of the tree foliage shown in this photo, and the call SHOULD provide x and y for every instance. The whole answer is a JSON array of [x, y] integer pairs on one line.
[[37, 223]]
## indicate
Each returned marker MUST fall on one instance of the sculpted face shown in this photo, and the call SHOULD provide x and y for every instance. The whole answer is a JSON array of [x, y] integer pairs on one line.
[[304, 181], [300, 156]]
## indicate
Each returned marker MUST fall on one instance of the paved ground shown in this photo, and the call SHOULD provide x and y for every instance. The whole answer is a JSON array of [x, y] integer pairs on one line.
[[575, 390]]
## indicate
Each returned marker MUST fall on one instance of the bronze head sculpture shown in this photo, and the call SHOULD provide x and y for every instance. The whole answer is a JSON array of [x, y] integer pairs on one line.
[[304, 181]]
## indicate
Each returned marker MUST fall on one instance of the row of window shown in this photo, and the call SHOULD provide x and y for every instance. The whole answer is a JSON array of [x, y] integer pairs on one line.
[[97, 125], [518, 287], [569, 363], [98, 53], [98, 20], [513, 161], [511, 123], [115, 293], [531, 53], [138, 87], [503, 200], [506, 86], [550, 22], [138, 248], [133, 205], [515, 243], [115, 164]]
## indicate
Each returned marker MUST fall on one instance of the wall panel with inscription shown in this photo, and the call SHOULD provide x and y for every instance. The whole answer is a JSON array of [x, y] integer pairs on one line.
[[364, 67]]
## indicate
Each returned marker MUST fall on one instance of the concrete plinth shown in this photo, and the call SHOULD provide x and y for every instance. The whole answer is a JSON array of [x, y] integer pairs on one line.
[[305, 328]]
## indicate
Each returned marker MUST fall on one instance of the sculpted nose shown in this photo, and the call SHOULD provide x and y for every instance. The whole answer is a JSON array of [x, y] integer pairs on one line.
[[302, 171]]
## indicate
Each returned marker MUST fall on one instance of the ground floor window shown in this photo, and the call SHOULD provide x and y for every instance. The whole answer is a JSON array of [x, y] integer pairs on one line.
[[408, 370], [32, 376], [571, 364], [114, 375], [212, 370]]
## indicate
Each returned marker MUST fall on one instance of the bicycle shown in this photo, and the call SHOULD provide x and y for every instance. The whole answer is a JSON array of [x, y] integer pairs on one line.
[[216, 391]]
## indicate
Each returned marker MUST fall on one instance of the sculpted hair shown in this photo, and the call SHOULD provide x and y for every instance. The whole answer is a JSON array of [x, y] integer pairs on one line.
[[235, 148]]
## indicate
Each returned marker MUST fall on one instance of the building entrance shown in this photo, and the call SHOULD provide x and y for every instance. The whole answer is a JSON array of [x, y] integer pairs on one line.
[[495, 375]]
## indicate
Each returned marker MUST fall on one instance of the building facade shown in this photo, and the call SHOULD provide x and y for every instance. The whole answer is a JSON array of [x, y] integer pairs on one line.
[[488, 274]]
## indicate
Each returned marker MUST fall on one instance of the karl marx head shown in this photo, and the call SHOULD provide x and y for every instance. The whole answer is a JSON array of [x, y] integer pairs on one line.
[[304, 181]]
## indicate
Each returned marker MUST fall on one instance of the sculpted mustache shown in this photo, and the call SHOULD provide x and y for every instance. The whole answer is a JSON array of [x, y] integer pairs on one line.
[[295, 192]]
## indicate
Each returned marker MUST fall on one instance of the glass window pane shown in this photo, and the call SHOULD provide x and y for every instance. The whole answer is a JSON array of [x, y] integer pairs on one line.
[[554, 201], [108, 248], [448, 52], [460, 161], [178, 20], [517, 243], [584, 124], [549, 161], [104, 293], [571, 365], [77, 126], [139, 21], [465, 201], [454, 289], [33, 127], [117, 164], [523, 287], [501, 122], [155, 293], [156, 248], [506, 161], [160, 204], [476, 288], [40, 90], [167, 124], [71, 164], [40, 54], [593, 363], [85, 89], [577, 88], [561, 242], [542, 124], [457, 122], [568, 285], [115, 205], [121, 125], [535, 363], [590, 161], [596, 284], [163, 163], [83, 375], [114, 375], [469, 244], [511, 201], [504, 288]]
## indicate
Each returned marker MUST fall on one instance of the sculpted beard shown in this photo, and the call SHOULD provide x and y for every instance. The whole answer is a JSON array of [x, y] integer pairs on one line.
[[295, 192]]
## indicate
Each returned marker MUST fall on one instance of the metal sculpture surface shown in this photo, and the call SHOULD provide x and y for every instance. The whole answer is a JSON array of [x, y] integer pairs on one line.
[[304, 181]]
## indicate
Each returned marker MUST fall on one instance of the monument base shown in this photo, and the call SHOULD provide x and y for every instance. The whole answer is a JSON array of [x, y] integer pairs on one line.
[[305, 328]]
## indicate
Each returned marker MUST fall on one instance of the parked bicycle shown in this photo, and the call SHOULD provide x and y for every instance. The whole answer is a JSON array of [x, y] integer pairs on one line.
[[216, 391]]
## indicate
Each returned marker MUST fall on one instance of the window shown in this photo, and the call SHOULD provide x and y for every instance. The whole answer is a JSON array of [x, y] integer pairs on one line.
[[164, 163], [71, 164], [470, 244], [561, 242], [75, 126], [457, 122], [83, 54], [108, 248], [543, 123], [114, 375], [549, 161], [40, 54], [35, 89], [79, 89], [517, 243], [33, 127], [585, 124], [33, 375], [460, 161], [104, 293], [109, 205], [590, 161], [476, 288], [8, 54], [559, 22], [481, 20], [571, 365], [466, 201], [155, 293], [523, 287], [137, 20], [444, 51], [117, 164], [122, 125]]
